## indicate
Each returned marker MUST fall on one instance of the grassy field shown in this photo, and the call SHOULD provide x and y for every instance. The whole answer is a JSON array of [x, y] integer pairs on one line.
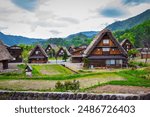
[[50, 70], [87, 80], [45, 77]]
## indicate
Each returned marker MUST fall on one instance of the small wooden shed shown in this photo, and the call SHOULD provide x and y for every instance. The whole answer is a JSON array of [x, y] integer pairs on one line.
[[28, 70]]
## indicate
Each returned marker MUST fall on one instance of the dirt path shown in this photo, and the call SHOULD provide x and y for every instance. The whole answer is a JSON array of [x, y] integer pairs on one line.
[[120, 89]]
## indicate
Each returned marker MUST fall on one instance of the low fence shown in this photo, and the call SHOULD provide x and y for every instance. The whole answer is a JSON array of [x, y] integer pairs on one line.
[[10, 95]]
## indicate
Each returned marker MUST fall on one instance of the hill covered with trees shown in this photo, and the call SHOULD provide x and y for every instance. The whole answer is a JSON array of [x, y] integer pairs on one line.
[[136, 34]]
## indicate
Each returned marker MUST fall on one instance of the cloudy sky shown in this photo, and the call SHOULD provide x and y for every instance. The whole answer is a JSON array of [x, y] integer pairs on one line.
[[60, 18]]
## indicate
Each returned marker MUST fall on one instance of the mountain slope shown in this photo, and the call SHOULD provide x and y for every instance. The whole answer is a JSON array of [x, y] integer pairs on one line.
[[88, 34], [14, 40], [136, 34], [86, 37], [129, 23]]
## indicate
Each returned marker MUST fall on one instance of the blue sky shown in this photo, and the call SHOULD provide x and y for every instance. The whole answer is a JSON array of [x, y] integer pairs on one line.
[[59, 18], [29, 5], [135, 2]]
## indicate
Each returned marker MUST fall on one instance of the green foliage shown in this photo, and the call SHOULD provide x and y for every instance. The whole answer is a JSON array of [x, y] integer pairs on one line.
[[132, 53], [135, 64], [65, 56], [86, 62], [136, 34], [67, 85], [77, 40], [26, 50], [51, 53]]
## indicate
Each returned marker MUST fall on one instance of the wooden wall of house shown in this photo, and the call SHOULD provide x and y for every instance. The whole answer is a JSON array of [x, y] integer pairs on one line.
[[16, 54], [1, 66], [102, 63], [127, 45], [102, 44], [38, 60], [79, 52], [98, 51], [143, 56], [76, 59], [39, 54], [114, 51]]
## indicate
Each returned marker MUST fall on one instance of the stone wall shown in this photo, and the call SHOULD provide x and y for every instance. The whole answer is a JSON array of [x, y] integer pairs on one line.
[[6, 95]]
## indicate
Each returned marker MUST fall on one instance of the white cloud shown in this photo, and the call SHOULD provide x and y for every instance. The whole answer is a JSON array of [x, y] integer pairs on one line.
[[59, 18]]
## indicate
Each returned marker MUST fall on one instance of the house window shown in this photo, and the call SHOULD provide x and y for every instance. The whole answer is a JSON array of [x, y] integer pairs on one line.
[[110, 62], [106, 49], [37, 52], [118, 62], [106, 41]]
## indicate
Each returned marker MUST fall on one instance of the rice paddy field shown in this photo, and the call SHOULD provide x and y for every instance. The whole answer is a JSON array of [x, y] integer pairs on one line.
[[44, 78]]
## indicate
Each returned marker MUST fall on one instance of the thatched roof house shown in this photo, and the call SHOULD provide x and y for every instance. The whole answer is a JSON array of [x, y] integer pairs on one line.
[[77, 54], [38, 55], [145, 53], [16, 52], [61, 52], [105, 51], [127, 45], [51, 50], [4, 55]]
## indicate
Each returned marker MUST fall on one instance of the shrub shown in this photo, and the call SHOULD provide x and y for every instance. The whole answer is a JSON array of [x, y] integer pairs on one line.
[[137, 64], [67, 85], [58, 85], [86, 62]]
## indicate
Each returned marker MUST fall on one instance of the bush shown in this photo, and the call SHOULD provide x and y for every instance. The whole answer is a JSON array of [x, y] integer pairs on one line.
[[86, 63], [67, 85], [137, 64]]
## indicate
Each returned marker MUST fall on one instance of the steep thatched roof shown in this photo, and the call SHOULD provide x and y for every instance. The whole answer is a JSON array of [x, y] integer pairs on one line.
[[41, 49], [63, 49], [124, 41], [52, 46], [4, 54], [98, 38]]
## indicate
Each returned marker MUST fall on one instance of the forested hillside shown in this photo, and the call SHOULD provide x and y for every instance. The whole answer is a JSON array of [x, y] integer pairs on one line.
[[131, 22], [136, 34]]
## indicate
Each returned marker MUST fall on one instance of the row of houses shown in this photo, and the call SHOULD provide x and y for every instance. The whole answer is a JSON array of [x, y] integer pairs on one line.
[[103, 51], [41, 55]]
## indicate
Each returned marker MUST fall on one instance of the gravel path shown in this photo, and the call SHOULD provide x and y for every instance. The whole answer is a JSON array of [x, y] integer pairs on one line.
[[120, 89]]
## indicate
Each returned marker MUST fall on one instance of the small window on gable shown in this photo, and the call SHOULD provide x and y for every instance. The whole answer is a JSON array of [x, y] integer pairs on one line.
[[106, 41], [37, 52], [106, 49]]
